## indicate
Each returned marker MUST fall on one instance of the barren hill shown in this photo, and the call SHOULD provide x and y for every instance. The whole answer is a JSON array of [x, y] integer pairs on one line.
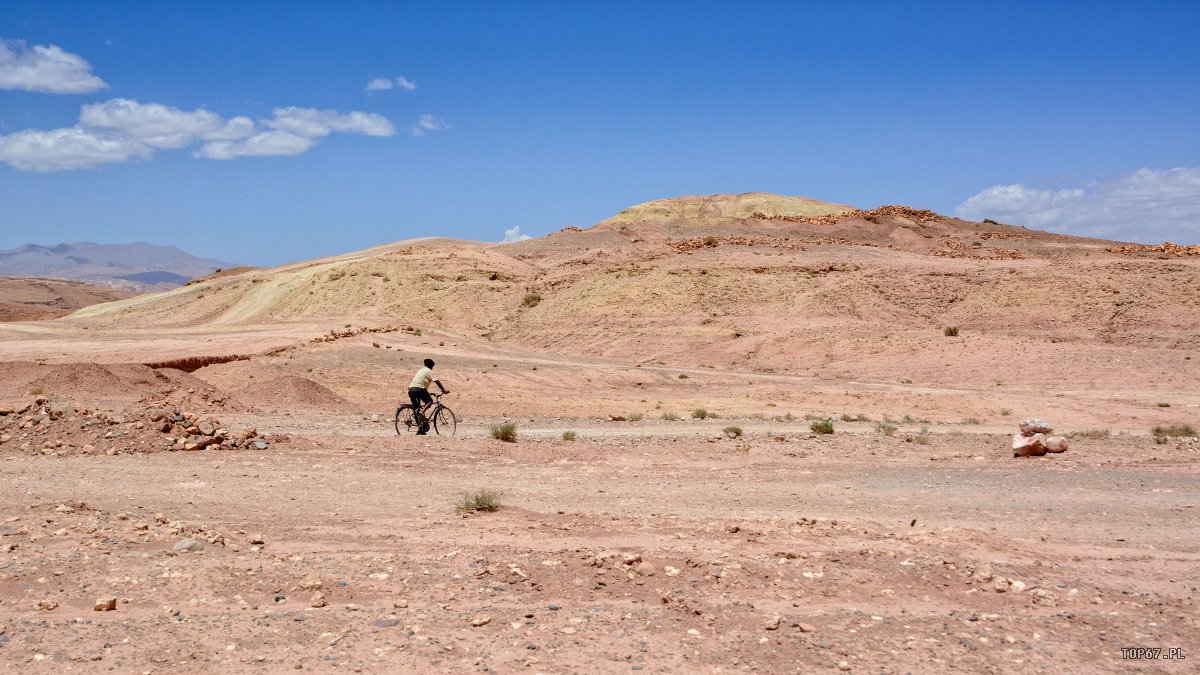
[[33, 299], [794, 286]]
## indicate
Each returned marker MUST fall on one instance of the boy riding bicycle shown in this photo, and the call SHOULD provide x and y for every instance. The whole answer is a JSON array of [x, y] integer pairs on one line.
[[418, 393]]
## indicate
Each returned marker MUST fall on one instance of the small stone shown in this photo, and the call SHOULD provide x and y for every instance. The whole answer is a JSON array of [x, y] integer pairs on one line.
[[63, 508], [806, 627], [567, 631], [772, 623], [312, 583], [318, 600], [400, 604], [187, 545], [481, 620], [46, 605], [257, 540], [671, 571], [843, 665], [387, 623], [105, 604], [553, 607]]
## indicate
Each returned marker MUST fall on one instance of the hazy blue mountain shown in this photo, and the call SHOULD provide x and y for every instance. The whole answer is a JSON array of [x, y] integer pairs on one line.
[[138, 266]]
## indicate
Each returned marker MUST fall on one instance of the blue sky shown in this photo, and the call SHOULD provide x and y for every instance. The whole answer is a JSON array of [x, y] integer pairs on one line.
[[250, 135]]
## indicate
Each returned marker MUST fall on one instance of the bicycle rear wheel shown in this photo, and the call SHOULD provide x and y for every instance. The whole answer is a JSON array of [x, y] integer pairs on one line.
[[404, 420], [445, 422]]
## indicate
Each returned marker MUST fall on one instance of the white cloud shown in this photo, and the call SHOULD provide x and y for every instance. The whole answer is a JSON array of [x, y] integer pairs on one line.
[[120, 129], [379, 84], [428, 123], [383, 84], [1148, 205], [514, 234], [153, 124], [46, 69], [313, 123], [71, 148], [266, 144]]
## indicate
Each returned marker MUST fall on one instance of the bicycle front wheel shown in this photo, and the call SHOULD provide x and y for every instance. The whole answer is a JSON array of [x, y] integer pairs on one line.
[[404, 420], [445, 422]]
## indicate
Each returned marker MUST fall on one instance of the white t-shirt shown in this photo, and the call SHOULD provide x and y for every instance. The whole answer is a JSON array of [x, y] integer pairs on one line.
[[423, 378]]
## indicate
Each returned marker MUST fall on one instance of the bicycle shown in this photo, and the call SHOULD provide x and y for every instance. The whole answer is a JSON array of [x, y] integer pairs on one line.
[[441, 418]]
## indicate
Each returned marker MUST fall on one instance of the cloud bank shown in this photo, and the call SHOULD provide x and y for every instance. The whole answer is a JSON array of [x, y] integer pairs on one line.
[[120, 130], [45, 69], [514, 234], [1147, 206]]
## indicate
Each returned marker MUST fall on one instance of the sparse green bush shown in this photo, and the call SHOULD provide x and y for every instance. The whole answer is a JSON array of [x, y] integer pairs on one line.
[[710, 241], [699, 414], [909, 419], [417, 332], [683, 376], [885, 428], [862, 418], [506, 432], [950, 331], [922, 438], [36, 391], [1163, 405], [1090, 434], [1175, 430], [821, 427], [1005, 412], [970, 420], [732, 432], [568, 435], [670, 416], [634, 417], [847, 417], [531, 300], [480, 500]]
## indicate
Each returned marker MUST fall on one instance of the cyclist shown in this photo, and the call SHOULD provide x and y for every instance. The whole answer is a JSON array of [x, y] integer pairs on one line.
[[418, 393]]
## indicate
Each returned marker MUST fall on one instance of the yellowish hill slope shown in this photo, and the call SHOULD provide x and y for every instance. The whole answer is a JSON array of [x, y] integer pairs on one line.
[[779, 289]]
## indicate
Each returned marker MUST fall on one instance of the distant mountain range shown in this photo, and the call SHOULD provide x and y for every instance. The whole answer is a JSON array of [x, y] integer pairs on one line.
[[135, 267]]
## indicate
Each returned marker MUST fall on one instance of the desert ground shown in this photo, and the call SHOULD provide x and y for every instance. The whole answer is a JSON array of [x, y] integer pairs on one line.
[[216, 468]]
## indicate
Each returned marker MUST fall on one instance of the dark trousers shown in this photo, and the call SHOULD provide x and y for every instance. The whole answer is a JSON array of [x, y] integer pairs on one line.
[[419, 396]]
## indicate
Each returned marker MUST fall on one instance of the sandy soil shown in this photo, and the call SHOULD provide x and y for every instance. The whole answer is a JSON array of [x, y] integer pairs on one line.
[[659, 545]]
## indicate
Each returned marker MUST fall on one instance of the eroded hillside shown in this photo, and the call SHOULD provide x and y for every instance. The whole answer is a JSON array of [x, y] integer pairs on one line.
[[803, 287]]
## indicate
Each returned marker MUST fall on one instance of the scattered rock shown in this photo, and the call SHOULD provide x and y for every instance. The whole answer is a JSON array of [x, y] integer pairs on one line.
[[187, 545], [772, 623], [318, 600], [481, 620], [46, 605], [105, 604]]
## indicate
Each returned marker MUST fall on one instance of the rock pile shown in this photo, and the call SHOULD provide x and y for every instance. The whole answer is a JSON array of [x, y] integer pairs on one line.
[[1036, 439], [335, 335], [1165, 247], [917, 215], [61, 428], [774, 242]]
